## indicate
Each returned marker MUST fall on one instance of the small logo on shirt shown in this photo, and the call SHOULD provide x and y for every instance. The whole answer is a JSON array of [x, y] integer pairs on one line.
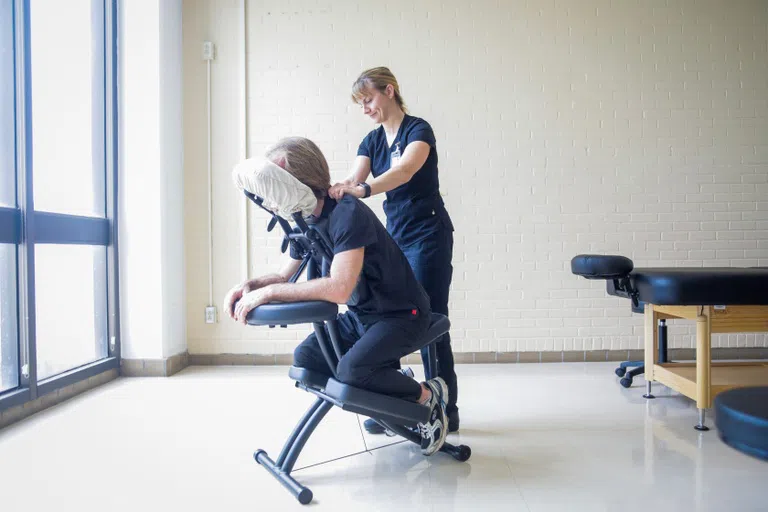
[[395, 155]]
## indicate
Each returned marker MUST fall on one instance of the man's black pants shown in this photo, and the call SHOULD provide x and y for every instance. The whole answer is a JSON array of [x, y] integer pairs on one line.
[[371, 353]]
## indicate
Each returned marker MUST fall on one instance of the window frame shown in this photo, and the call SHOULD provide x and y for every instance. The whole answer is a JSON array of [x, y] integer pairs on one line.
[[26, 227]]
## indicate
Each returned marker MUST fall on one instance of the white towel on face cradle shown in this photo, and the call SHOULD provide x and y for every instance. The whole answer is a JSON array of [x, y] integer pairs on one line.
[[282, 193]]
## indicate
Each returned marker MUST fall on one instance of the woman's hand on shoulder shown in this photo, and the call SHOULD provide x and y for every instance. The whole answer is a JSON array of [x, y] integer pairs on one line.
[[340, 188], [336, 189], [350, 190]]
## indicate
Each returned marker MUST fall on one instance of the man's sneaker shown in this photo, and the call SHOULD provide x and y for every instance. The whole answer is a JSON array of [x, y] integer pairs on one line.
[[371, 425], [434, 431]]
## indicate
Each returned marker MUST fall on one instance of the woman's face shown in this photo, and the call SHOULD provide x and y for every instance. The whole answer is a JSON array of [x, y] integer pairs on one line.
[[377, 105]]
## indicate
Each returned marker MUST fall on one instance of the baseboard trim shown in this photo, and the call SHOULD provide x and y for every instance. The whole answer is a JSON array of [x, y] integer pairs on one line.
[[154, 367], [19, 412], [592, 356], [566, 356], [240, 360]]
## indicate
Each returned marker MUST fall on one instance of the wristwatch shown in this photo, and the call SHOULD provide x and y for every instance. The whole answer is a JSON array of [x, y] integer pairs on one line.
[[367, 189]]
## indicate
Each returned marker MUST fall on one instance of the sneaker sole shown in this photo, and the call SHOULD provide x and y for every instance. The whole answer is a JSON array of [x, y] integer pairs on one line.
[[444, 420], [443, 390]]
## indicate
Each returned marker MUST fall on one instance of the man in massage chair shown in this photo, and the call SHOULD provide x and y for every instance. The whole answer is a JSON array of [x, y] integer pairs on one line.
[[388, 310]]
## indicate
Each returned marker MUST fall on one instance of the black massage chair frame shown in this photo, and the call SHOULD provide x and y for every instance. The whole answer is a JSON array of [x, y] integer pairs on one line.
[[311, 242]]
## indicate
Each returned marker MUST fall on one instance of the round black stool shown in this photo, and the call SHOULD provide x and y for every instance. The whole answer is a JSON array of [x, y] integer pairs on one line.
[[741, 416]]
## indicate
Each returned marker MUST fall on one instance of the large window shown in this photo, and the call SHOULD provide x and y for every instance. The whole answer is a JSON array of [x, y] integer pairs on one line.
[[58, 251]]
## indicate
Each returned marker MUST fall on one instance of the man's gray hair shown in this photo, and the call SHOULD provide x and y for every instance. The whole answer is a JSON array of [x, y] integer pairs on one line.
[[303, 159]]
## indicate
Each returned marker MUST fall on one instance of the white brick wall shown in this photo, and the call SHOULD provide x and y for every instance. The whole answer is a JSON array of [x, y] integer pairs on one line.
[[630, 127]]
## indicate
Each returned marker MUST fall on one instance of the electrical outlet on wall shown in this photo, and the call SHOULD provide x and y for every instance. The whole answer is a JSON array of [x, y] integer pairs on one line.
[[210, 315], [208, 51]]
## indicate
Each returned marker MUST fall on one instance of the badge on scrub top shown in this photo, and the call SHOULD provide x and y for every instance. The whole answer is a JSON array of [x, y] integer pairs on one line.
[[395, 155]]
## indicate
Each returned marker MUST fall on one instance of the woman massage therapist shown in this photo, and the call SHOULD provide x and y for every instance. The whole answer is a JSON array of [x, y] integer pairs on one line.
[[402, 156]]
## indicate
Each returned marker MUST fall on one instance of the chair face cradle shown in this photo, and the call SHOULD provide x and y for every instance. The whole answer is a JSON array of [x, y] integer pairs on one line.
[[718, 300], [311, 242]]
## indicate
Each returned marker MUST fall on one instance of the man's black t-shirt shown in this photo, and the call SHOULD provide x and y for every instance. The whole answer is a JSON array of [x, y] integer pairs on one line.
[[387, 285]]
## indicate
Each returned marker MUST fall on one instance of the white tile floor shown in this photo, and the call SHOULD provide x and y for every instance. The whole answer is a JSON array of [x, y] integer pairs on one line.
[[559, 437]]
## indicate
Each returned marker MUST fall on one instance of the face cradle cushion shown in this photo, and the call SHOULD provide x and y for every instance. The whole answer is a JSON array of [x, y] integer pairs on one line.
[[595, 266]]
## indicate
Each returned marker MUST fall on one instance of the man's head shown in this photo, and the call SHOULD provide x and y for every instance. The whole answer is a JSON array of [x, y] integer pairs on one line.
[[304, 161]]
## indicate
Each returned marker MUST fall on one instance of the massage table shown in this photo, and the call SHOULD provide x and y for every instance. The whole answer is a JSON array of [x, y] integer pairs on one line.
[[717, 299]]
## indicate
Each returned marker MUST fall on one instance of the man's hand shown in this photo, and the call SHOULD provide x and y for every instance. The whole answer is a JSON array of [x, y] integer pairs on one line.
[[249, 301], [237, 292], [233, 295]]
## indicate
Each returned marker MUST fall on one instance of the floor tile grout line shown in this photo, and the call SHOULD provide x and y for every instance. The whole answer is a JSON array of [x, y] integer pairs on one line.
[[517, 486]]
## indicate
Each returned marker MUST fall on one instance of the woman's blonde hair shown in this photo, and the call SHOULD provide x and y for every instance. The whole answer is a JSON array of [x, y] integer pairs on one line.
[[377, 78], [304, 161]]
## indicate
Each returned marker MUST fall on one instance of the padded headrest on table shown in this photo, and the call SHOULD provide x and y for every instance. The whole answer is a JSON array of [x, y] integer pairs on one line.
[[282, 194], [597, 266]]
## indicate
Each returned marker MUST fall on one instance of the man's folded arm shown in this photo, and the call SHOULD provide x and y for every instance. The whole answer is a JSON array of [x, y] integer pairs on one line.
[[282, 276], [337, 287]]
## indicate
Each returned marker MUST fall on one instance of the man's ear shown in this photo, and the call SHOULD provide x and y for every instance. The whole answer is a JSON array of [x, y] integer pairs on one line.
[[280, 161]]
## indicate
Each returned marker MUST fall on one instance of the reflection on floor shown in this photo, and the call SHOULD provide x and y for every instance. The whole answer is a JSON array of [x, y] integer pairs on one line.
[[559, 437]]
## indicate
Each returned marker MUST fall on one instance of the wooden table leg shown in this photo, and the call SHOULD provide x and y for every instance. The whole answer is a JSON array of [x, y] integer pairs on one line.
[[703, 364], [651, 344]]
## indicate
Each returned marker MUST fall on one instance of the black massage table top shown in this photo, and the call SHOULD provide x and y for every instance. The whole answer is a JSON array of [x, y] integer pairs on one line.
[[700, 286], [677, 286]]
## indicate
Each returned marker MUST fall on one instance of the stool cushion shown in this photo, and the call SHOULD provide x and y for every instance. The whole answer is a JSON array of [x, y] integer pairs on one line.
[[741, 416]]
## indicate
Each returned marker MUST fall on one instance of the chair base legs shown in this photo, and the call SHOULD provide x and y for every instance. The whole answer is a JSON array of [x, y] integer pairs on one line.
[[638, 367], [461, 453], [301, 493], [281, 469]]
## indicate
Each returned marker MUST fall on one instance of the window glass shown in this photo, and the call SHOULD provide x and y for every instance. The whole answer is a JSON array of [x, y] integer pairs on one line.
[[9, 332], [70, 306], [68, 106]]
